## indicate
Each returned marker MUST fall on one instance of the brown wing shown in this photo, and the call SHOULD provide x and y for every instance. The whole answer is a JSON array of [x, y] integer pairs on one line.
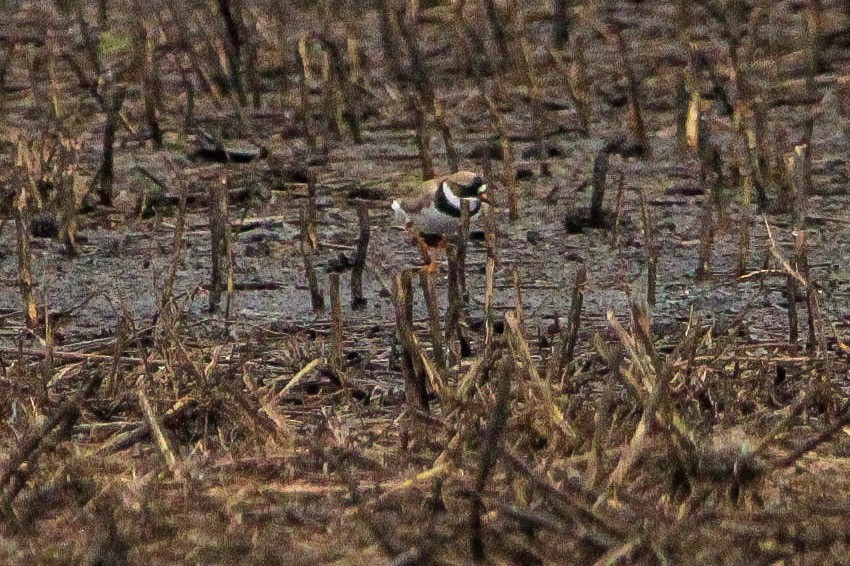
[[463, 178], [420, 197], [423, 195]]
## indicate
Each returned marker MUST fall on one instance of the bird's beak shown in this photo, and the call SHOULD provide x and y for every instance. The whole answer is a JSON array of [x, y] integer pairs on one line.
[[484, 198]]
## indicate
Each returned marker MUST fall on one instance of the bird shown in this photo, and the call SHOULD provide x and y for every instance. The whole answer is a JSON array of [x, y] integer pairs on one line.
[[431, 213]]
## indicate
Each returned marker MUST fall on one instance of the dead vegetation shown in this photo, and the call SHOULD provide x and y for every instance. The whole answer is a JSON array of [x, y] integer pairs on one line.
[[468, 423]]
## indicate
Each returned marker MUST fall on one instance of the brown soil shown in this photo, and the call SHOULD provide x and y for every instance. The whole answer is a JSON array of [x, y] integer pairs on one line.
[[336, 468]]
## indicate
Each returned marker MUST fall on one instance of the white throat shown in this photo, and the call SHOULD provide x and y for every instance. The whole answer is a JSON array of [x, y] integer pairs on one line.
[[454, 200]]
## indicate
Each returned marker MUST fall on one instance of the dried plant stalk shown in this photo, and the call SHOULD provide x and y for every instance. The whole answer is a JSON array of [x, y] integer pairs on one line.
[[423, 138], [415, 385], [163, 442], [25, 278], [581, 86], [167, 294], [339, 93], [490, 450], [67, 179], [651, 251], [500, 36], [490, 273], [456, 255], [744, 237], [792, 292], [358, 302], [508, 177], [706, 240], [562, 360], [21, 462], [429, 291], [600, 183], [151, 84], [618, 208], [816, 336], [106, 175], [336, 323], [636, 124], [561, 24], [462, 246], [219, 240], [451, 151], [317, 298]]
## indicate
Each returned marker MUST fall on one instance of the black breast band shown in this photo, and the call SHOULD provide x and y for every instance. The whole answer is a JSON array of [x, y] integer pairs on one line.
[[443, 205]]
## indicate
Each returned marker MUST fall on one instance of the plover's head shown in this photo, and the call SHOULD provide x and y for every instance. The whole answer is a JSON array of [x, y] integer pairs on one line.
[[467, 185]]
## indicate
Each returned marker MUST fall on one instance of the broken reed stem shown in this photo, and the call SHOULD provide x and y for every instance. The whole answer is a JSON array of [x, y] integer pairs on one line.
[[519, 309], [618, 208], [561, 24], [317, 298], [312, 236], [692, 98], [490, 450], [538, 112], [575, 79], [462, 246], [336, 323], [167, 294], [429, 292], [799, 175], [21, 462], [792, 291], [427, 101], [451, 151], [455, 299], [562, 360], [816, 337], [636, 125], [706, 239], [219, 236], [416, 392], [423, 138], [65, 186], [339, 83], [651, 251], [500, 36], [235, 30], [25, 278], [151, 85], [304, 111], [508, 176], [746, 211], [489, 281], [358, 302], [106, 175], [457, 293], [599, 184], [163, 442]]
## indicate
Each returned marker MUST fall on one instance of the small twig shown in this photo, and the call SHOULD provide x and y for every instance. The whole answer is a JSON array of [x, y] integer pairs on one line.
[[163, 442], [336, 323]]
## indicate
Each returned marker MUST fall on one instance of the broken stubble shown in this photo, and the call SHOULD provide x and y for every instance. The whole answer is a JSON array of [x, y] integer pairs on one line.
[[561, 362], [219, 240], [317, 298], [336, 324], [358, 302], [416, 392]]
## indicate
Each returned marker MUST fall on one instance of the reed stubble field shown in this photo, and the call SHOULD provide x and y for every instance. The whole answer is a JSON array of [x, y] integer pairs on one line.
[[214, 348]]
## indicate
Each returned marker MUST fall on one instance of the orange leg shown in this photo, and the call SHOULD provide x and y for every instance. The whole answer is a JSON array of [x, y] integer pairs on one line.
[[430, 265]]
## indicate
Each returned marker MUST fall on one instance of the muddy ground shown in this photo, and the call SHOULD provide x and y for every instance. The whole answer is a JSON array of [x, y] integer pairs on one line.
[[241, 487]]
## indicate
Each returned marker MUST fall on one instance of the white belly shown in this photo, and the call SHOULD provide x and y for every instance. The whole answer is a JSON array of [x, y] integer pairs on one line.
[[430, 220]]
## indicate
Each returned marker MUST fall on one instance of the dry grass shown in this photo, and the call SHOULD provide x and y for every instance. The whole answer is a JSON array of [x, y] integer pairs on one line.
[[215, 440]]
